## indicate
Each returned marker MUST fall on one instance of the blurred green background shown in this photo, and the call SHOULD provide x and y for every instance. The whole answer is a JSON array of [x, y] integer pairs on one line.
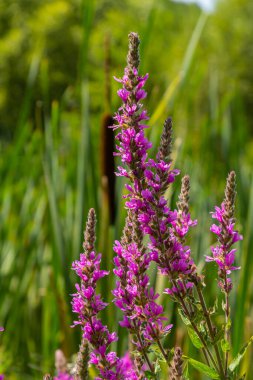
[[57, 94]]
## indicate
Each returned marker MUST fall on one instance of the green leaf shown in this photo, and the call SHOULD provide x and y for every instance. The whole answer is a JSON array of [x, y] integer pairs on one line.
[[218, 336], [225, 346], [154, 348], [170, 354], [194, 338], [228, 324], [203, 368], [198, 315], [184, 318], [235, 363], [186, 373], [150, 375], [214, 308], [157, 367]]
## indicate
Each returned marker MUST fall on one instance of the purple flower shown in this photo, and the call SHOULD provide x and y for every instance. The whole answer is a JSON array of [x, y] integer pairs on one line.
[[140, 94], [223, 253], [62, 376], [142, 316], [181, 288], [87, 304], [148, 214], [123, 94], [149, 180]]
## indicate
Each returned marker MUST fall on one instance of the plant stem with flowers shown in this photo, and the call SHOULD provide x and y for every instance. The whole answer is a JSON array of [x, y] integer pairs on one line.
[[142, 316], [87, 304], [149, 215], [149, 179], [223, 255]]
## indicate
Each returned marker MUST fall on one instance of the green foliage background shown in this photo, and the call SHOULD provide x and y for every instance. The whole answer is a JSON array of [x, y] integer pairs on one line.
[[53, 96]]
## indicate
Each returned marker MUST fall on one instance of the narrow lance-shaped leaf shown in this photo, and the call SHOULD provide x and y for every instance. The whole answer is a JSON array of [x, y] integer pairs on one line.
[[205, 369], [194, 338], [235, 363]]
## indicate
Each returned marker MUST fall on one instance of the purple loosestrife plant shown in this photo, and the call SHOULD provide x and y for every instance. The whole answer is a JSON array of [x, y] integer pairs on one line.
[[150, 178], [87, 304], [153, 234], [223, 253], [227, 236], [167, 229]]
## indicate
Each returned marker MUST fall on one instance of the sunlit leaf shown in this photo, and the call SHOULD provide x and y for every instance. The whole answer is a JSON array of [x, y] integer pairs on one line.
[[235, 363], [205, 369], [194, 338]]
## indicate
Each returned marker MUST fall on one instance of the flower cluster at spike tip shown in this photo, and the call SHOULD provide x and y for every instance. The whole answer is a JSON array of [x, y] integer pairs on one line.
[[227, 236], [149, 180]]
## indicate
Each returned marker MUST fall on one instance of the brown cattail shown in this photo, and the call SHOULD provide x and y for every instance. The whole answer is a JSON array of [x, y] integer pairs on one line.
[[107, 162], [107, 139], [107, 71]]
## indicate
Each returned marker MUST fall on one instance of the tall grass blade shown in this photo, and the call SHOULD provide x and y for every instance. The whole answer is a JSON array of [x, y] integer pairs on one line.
[[160, 110], [242, 299]]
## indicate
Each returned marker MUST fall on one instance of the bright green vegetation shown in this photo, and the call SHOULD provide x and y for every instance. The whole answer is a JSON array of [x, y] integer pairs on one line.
[[53, 96]]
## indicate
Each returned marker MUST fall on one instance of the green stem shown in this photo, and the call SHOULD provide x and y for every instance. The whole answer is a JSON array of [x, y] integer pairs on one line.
[[195, 327], [143, 349], [160, 345], [211, 331], [162, 351], [188, 314], [227, 328]]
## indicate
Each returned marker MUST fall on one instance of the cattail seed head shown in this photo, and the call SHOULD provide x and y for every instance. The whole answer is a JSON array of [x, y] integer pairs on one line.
[[107, 161]]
